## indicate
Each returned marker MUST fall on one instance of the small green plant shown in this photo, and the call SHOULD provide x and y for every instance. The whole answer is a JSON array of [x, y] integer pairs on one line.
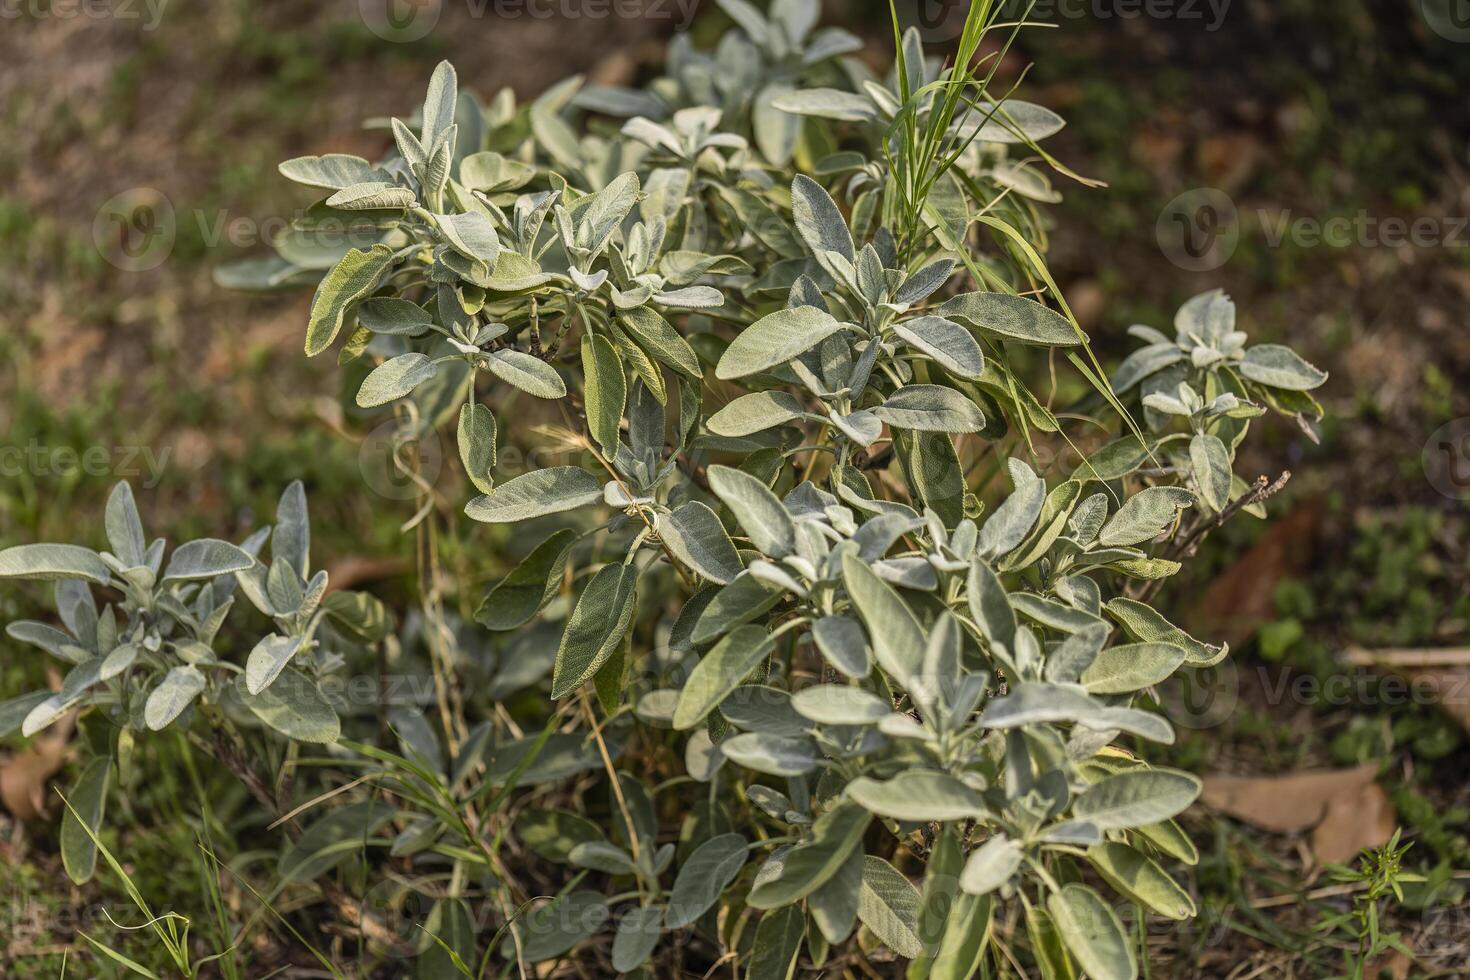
[[1379, 876], [834, 673]]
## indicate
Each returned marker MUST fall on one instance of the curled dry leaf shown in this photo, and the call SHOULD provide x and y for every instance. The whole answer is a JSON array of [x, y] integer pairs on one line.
[[1345, 809], [25, 774]]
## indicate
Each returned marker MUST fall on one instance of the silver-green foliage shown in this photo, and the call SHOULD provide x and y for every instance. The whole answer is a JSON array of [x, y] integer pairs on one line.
[[781, 306]]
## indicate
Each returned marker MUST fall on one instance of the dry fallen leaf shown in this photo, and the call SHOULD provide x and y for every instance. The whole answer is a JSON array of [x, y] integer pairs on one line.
[[1347, 807], [1393, 965], [24, 775], [1242, 598]]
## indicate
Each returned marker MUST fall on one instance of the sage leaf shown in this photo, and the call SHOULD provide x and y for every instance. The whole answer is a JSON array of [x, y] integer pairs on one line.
[[86, 803], [599, 855], [206, 558], [332, 840], [268, 659], [919, 795], [1136, 797], [537, 494], [1144, 624], [554, 833], [827, 103], [124, 527], [395, 378], [178, 689], [1132, 667], [898, 641], [754, 413], [476, 439], [1210, 465], [804, 868], [1281, 367], [352, 279], [818, 220], [516, 599], [838, 704], [372, 195], [779, 933], [696, 537], [842, 642], [295, 706], [638, 933], [930, 408], [889, 904], [13, 712], [1139, 878], [393, 317], [1144, 516], [661, 340], [705, 874], [605, 391], [720, 672], [948, 343], [758, 510], [774, 755], [530, 374], [331, 171], [562, 923], [775, 340], [991, 865], [596, 627], [1092, 933], [53, 562], [1012, 318], [451, 930], [989, 605], [834, 905]]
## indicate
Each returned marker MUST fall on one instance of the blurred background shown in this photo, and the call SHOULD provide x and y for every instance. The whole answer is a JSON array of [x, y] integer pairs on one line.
[[1309, 156]]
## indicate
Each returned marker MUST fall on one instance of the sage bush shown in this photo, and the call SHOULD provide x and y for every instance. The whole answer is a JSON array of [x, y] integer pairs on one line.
[[836, 679]]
